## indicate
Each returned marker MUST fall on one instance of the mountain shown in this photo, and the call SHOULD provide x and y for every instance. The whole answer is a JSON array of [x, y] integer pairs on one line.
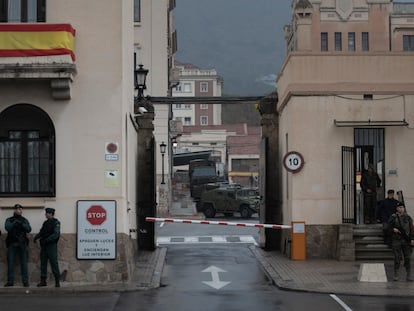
[[242, 39]]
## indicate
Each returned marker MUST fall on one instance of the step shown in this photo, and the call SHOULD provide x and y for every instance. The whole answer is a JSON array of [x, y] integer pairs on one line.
[[377, 225], [374, 244], [369, 239], [377, 257], [368, 232], [371, 245], [373, 251]]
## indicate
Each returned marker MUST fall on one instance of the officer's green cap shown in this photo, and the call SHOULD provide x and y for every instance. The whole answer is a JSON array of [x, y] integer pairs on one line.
[[50, 210]]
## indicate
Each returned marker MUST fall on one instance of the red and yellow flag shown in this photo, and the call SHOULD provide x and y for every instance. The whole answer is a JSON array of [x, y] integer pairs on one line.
[[22, 40]]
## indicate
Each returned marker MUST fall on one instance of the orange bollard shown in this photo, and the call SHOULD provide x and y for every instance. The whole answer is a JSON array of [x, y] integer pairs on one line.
[[298, 246]]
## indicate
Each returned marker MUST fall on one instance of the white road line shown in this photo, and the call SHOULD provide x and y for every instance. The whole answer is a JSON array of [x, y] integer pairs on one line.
[[340, 302], [205, 239]]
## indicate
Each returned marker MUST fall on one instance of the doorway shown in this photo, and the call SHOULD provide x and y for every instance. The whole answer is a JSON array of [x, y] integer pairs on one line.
[[369, 148]]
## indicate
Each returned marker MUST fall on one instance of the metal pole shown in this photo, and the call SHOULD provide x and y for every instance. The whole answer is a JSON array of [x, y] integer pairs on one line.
[[162, 181]]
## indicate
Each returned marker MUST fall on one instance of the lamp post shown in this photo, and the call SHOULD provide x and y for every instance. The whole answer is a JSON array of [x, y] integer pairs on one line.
[[162, 150], [146, 192], [140, 75]]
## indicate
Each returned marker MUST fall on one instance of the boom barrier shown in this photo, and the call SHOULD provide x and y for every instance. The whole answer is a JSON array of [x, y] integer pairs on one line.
[[221, 223]]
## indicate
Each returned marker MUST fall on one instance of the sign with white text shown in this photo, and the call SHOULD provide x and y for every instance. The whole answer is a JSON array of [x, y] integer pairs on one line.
[[96, 230]]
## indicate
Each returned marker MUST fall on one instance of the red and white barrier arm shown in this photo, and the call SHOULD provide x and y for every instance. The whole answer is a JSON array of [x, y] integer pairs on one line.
[[222, 223]]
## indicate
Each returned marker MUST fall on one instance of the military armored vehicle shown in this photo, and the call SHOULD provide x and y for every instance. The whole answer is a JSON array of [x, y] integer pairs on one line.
[[229, 201]]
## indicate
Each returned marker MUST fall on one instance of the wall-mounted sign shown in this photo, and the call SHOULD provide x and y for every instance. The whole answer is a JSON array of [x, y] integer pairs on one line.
[[293, 161], [111, 152], [96, 230], [112, 178]]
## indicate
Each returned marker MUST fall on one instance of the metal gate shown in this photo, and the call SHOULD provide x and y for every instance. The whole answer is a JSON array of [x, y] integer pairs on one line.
[[348, 185]]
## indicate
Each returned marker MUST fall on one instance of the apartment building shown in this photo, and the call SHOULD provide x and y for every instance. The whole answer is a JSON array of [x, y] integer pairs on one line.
[[196, 82], [68, 136], [346, 99]]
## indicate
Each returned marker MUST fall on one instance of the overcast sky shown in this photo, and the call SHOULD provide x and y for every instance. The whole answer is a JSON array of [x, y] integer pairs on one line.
[[242, 39]]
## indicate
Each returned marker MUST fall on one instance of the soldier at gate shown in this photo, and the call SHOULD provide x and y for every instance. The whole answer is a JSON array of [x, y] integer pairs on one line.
[[402, 240], [49, 236], [17, 228]]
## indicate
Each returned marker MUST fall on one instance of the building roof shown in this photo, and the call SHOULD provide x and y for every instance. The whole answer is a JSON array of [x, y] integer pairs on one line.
[[185, 65], [185, 157]]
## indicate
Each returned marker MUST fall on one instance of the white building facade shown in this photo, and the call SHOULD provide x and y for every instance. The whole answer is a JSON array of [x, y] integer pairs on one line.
[[67, 133], [345, 100]]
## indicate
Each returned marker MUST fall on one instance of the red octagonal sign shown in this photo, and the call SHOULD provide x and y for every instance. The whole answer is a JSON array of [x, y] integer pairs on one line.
[[96, 215]]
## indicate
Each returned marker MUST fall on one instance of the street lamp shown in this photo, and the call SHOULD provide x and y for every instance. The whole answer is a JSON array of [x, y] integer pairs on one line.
[[140, 75], [175, 144], [162, 150]]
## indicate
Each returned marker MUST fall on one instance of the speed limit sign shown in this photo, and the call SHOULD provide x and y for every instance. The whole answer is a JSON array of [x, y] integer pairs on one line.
[[293, 161]]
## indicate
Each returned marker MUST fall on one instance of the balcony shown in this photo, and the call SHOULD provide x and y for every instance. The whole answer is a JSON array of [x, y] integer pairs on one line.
[[39, 51]]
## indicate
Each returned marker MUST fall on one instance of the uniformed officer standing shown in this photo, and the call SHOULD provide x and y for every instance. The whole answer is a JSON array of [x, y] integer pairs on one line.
[[17, 227], [402, 240], [49, 236], [370, 181], [386, 208]]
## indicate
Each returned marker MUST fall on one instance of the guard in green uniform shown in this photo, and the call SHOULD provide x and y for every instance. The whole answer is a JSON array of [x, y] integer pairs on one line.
[[401, 225], [17, 227], [49, 236]]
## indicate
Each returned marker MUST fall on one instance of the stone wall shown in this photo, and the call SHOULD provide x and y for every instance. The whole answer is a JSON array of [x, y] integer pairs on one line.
[[346, 243], [321, 242], [79, 272]]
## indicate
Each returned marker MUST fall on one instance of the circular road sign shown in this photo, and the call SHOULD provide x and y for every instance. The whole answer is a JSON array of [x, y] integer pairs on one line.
[[293, 161], [111, 148], [96, 215]]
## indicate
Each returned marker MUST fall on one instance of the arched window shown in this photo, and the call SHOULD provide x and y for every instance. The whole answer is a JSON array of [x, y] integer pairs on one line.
[[22, 11], [27, 152]]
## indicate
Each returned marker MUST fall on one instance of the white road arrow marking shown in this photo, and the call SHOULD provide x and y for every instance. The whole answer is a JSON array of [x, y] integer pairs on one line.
[[215, 283]]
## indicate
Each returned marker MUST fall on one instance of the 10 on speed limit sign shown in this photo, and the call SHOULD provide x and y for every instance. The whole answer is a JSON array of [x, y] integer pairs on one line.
[[293, 161]]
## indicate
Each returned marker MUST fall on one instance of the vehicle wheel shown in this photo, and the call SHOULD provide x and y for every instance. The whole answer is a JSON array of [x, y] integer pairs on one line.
[[209, 210], [228, 214], [198, 207], [245, 212]]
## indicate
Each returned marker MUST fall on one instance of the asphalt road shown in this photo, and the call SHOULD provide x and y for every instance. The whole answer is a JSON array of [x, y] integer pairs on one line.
[[201, 275]]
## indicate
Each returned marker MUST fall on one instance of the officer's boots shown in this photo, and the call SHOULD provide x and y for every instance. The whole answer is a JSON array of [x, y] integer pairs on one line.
[[409, 278], [57, 283], [395, 275], [42, 282]]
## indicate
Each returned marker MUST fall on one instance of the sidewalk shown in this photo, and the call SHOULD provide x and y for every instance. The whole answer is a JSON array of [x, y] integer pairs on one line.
[[328, 276], [147, 275]]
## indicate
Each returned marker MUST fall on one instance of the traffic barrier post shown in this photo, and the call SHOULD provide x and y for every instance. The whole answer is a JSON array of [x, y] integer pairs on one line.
[[298, 244]]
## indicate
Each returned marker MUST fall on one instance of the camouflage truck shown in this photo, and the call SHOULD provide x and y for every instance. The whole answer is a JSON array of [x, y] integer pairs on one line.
[[229, 201]]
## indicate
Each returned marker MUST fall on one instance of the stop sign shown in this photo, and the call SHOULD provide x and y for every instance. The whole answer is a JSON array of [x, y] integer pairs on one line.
[[96, 215]]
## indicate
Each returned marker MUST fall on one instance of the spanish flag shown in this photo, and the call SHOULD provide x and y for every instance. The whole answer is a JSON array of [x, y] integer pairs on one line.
[[22, 40]]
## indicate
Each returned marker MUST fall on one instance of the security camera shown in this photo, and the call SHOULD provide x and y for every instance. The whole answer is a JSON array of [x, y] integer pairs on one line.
[[142, 110]]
